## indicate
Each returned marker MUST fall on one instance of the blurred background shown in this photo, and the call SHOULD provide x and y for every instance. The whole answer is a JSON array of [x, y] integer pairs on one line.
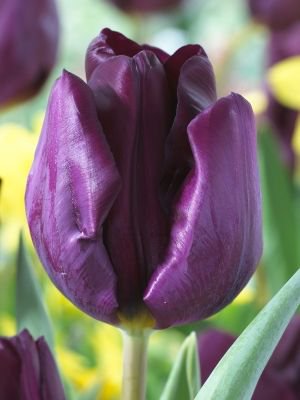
[[251, 55]]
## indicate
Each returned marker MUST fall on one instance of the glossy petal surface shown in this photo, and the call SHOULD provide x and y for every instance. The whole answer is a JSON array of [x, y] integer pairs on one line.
[[191, 77], [111, 43], [71, 188], [215, 238], [29, 32], [144, 190], [132, 99]]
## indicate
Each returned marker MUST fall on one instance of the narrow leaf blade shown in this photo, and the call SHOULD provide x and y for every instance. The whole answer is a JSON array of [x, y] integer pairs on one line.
[[281, 256], [30, 309], [236, 375], [184, 379]]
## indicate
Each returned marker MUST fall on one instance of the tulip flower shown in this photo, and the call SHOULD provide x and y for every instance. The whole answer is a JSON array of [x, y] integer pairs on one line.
[[276, 14], [280, 378], [143, 200], [283, 44], [28, 46], [28, 370], [146, 6]]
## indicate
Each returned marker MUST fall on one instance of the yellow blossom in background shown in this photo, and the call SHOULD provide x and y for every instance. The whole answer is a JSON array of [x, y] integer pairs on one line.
[[296, 146], [75, 369], [17, 147], [7, 325], [284, 81], [296, 137], [246, 296], [58, 304], [106, 342], [258, 100], [104, 339]]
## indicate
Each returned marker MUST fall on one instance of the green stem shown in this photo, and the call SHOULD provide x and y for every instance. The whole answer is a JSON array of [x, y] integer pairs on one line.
[[134, 364]]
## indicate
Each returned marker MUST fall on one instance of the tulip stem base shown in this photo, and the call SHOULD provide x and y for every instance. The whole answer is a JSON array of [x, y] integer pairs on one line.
[[135, 346]]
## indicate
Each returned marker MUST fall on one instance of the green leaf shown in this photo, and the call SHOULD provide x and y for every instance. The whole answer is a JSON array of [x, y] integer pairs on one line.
[[30, 309], [281, 236], [184, 379], [236, 375]]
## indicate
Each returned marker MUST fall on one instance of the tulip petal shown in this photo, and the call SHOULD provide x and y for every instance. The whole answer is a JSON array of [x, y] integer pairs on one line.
[[25, 346], [29, 32], [286, 359], [108, 44], [9, 382], [111, 43], [190, 71], [50, 385], [132, 97], [276, 14], [212, 345], [28, 370], [215, 240], [71, 188]]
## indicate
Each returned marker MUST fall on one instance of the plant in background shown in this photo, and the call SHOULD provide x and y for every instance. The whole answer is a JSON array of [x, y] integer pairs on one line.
[[17, 145], [28, 370], [281, 377], [275, 14], [143, 199], [283, 21], [29, 32]]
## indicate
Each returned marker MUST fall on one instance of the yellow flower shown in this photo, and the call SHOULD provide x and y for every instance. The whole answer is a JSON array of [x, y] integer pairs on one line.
[[284, 80], [258, 100], [246, 296], [296, 137], [17, 146], [59, 305], [7, 325], [107, 345], [75, 369]]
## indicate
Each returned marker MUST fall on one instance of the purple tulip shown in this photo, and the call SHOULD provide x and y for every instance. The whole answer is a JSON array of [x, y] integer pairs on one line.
[[145, 6], [28, 47], [282, 45], [280, 379], [28, 370], [144, 197], [276, 14]]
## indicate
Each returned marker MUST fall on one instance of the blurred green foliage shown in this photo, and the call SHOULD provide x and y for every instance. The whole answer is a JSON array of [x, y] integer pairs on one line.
[[89, 352]]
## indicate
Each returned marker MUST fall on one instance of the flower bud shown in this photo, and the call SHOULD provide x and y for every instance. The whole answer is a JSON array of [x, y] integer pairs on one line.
[[28, 370], [143, 198], [28, 47]]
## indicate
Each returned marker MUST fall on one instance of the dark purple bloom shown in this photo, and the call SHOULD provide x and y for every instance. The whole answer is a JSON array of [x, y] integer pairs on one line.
[[276, 14], [28, 47], [28, 370], [280, 379], [144, 194], [145, 6], [283, 44]]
